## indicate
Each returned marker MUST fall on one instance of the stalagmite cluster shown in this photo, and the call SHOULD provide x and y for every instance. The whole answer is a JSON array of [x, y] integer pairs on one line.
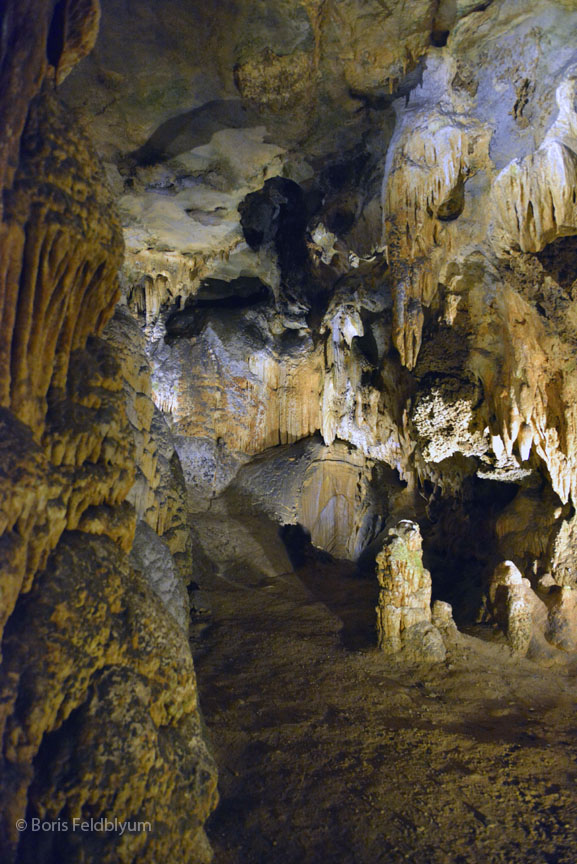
[[533, 620]]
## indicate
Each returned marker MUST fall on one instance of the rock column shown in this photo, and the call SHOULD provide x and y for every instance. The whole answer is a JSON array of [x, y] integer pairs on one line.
[[404, 610]]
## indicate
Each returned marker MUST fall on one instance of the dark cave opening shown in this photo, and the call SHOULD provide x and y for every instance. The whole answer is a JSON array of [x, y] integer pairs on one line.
[[559, 260], [460, 543], [215, 298], [56, 34], [439, 38], [459, 550]]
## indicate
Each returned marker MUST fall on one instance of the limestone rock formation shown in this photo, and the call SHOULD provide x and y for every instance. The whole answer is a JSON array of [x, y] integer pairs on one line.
[[99, 707], [333, 492], [533, 620], [158, 494], [341, 286], [151, 556], [511, 600], [562, 620], [111, 713], [442, 618], [404, 610], [418, 180]]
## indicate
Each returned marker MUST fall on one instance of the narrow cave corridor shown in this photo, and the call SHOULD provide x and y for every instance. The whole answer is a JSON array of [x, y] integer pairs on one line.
[[288, 431]]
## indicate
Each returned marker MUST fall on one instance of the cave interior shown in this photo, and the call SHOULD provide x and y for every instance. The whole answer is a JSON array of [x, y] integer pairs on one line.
[[288, 431]]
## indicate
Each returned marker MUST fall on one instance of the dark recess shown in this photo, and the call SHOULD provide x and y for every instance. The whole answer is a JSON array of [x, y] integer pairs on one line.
[[439, 38], [218, 296], [55, 41], [459, 542], [559, 260], [277, 214], [188, 130]]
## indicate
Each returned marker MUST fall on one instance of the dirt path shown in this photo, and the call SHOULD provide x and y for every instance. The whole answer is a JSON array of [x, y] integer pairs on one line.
[[328, 752]]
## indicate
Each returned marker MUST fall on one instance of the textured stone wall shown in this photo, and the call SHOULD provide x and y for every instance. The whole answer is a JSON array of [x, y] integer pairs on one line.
[[424, 311], [99, 713]]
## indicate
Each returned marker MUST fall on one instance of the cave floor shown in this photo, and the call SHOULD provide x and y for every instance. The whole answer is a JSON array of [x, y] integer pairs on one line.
[[330, 752]]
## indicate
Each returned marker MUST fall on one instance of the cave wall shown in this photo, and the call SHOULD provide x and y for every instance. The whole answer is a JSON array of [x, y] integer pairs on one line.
[[478, 194], [99, 714], [420, 307]]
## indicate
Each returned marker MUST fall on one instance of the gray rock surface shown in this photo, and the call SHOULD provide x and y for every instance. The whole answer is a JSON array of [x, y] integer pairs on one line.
[[151, 555]]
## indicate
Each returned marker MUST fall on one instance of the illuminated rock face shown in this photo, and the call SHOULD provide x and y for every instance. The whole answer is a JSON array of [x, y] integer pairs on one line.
[[404, 610], [337, 495], [415, 309], [479, 202]]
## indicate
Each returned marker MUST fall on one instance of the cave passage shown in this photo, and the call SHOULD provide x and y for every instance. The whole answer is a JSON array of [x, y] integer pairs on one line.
[[329, 751], [288, 431]]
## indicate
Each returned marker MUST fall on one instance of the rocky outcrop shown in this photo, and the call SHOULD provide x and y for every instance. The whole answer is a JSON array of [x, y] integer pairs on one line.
[[158, 493], [513, 604], [152, 557], [58, 277], [562, 619], [398, 181], [404, 610], [111, 727], [534, 195], [471, 201], [333, 492]]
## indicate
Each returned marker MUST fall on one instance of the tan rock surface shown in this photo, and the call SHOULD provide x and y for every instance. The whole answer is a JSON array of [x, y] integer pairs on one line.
[[404, 610], [99, 712], [111, 712]]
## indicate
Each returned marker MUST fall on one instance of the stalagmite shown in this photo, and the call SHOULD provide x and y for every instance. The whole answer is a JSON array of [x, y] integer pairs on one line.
[[404, 610]]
